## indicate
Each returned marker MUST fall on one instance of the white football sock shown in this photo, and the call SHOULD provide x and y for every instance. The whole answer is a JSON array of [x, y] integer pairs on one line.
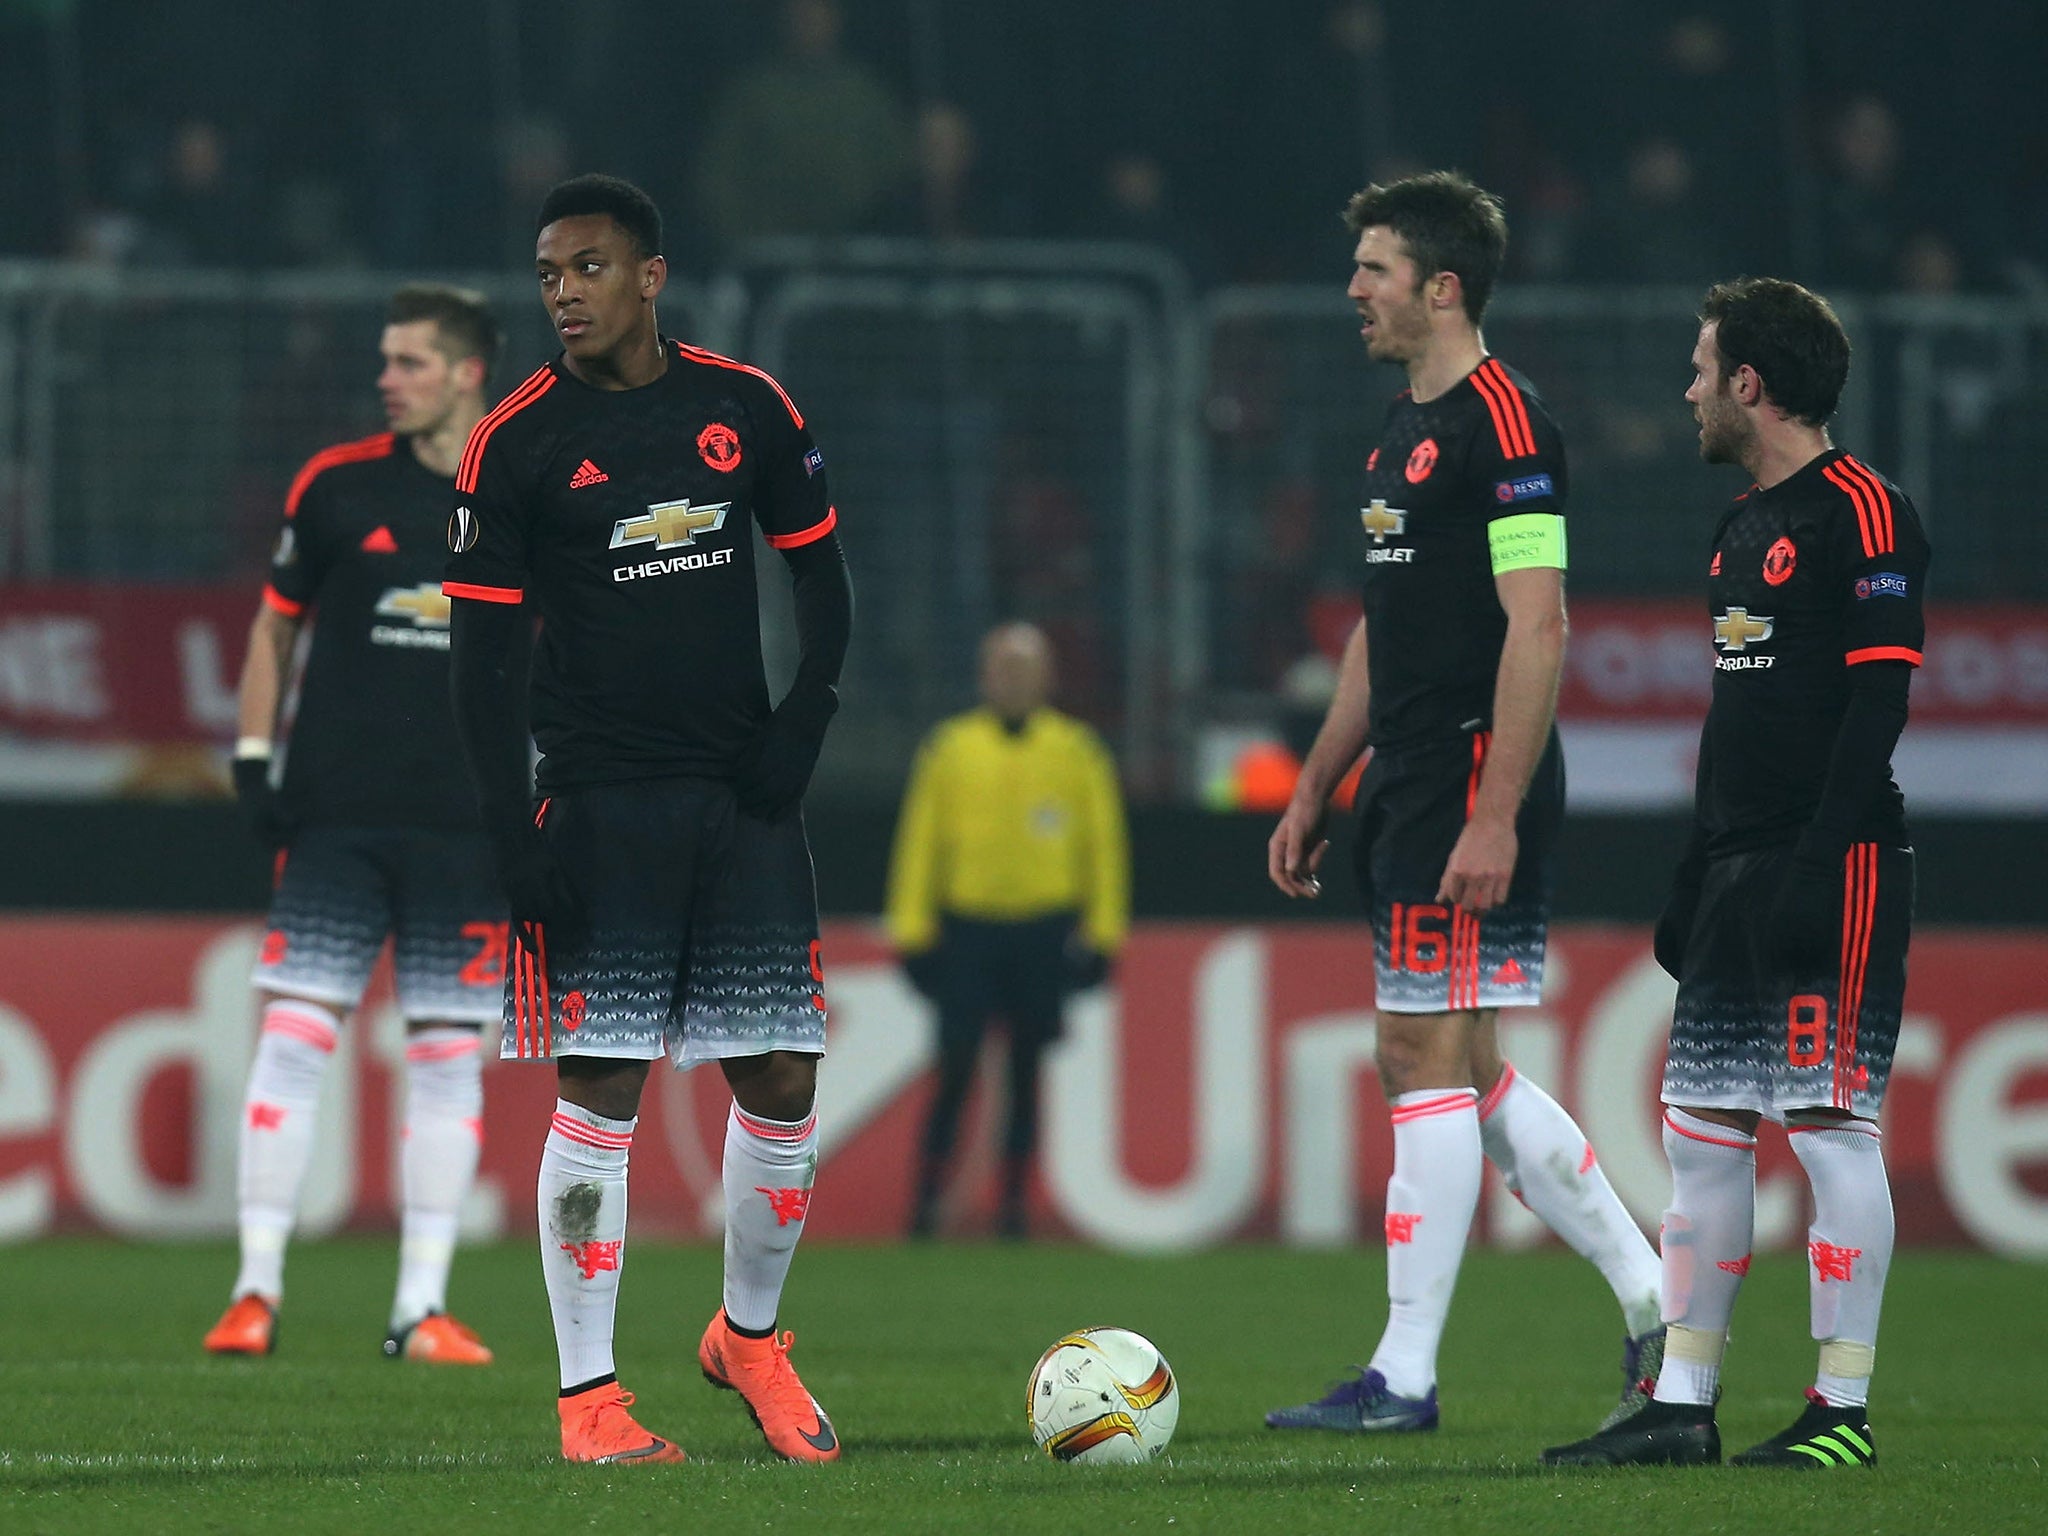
[[444, 1135], [583, 1235], [1848, 1250], [769, 1167], [1707, 1238], [1430, 1201], [1548, 1162], [278, 1112]]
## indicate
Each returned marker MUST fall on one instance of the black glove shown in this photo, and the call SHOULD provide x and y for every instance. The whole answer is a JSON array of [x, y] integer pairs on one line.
[[1804, 932], [262, 807], [1087, 967], [776, 768], [925, 970], [1674, 924], [536, 887]]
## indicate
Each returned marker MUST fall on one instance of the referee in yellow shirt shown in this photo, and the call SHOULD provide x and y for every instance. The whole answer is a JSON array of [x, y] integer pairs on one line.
[[1009, 888]]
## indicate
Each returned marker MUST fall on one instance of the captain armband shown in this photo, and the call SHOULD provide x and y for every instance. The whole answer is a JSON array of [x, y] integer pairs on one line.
[[1527, 541]]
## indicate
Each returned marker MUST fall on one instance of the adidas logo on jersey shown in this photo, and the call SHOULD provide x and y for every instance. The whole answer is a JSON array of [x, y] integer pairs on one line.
[[380, 542], [587, 473]]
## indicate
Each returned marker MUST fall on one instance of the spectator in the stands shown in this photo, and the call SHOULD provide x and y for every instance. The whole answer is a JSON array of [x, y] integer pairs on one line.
[[808, 142]]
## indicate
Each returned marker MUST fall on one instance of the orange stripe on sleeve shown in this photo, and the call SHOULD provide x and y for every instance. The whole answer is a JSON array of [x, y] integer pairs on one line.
[[357, 452], [274, 599], [483, 594], [1502, 427], [1882, 653], [536, 385], [804, 536], [1880, 504], [699, 355], [1865, 521], [1518, 408]]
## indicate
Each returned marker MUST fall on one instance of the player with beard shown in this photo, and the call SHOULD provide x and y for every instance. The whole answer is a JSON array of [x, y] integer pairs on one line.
[[1450, 679], [1789, 918], [660, 882], [374, 827]]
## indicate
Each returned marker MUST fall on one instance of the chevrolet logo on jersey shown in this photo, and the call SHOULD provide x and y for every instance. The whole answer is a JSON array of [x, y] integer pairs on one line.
[[426, 605], [1735, 631], [666, 524], [1381, 520]]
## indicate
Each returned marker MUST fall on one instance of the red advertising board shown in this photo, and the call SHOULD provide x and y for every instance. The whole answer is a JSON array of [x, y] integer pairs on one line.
[[1985, 664], [1650, 660], [128, 661], [157, 663], [1224, 1091]]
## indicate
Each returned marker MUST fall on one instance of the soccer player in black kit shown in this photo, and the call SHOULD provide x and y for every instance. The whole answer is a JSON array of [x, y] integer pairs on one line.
[[660, 884], [375, 828], [1788, 920], [1451, 680]]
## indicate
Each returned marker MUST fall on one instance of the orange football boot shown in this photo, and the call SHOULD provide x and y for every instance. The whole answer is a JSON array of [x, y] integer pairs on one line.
[[597, 1428], [248, 1327], [437, 1339], [759, 1370]]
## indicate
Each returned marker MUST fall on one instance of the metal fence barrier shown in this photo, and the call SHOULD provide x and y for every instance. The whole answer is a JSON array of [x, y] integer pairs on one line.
[[1067, 433], [150, 423]]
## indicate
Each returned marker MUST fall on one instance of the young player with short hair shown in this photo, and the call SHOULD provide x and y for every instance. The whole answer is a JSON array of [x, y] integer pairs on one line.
[[660, 885]]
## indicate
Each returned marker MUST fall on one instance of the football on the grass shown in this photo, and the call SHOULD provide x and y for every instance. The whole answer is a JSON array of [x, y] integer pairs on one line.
[[1103, 1395]]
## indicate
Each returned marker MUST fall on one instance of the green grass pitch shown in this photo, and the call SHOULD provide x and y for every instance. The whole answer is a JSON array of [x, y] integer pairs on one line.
[[111, 1419]]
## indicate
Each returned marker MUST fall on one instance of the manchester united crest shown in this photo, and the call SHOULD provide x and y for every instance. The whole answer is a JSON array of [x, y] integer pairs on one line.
[[1779, 560], [1421, 461], [720, 447]]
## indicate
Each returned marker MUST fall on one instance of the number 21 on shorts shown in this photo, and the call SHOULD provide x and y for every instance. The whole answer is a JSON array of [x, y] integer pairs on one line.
[[1806, 1030]]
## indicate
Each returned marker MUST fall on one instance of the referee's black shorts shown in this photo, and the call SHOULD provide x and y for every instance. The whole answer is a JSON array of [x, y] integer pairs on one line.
[[1014, 971]]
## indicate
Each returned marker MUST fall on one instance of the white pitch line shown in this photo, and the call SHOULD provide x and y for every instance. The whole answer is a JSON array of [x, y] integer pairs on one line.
[[191, 1462]]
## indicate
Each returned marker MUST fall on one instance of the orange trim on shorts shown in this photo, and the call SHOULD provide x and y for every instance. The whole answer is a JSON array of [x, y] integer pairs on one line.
[[1859, 912]]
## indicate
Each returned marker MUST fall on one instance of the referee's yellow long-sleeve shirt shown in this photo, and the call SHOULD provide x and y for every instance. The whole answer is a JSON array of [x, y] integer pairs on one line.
[[1004, 826]]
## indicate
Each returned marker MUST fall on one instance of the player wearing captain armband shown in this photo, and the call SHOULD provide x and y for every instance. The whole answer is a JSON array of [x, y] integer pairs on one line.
[[1450, 679]]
